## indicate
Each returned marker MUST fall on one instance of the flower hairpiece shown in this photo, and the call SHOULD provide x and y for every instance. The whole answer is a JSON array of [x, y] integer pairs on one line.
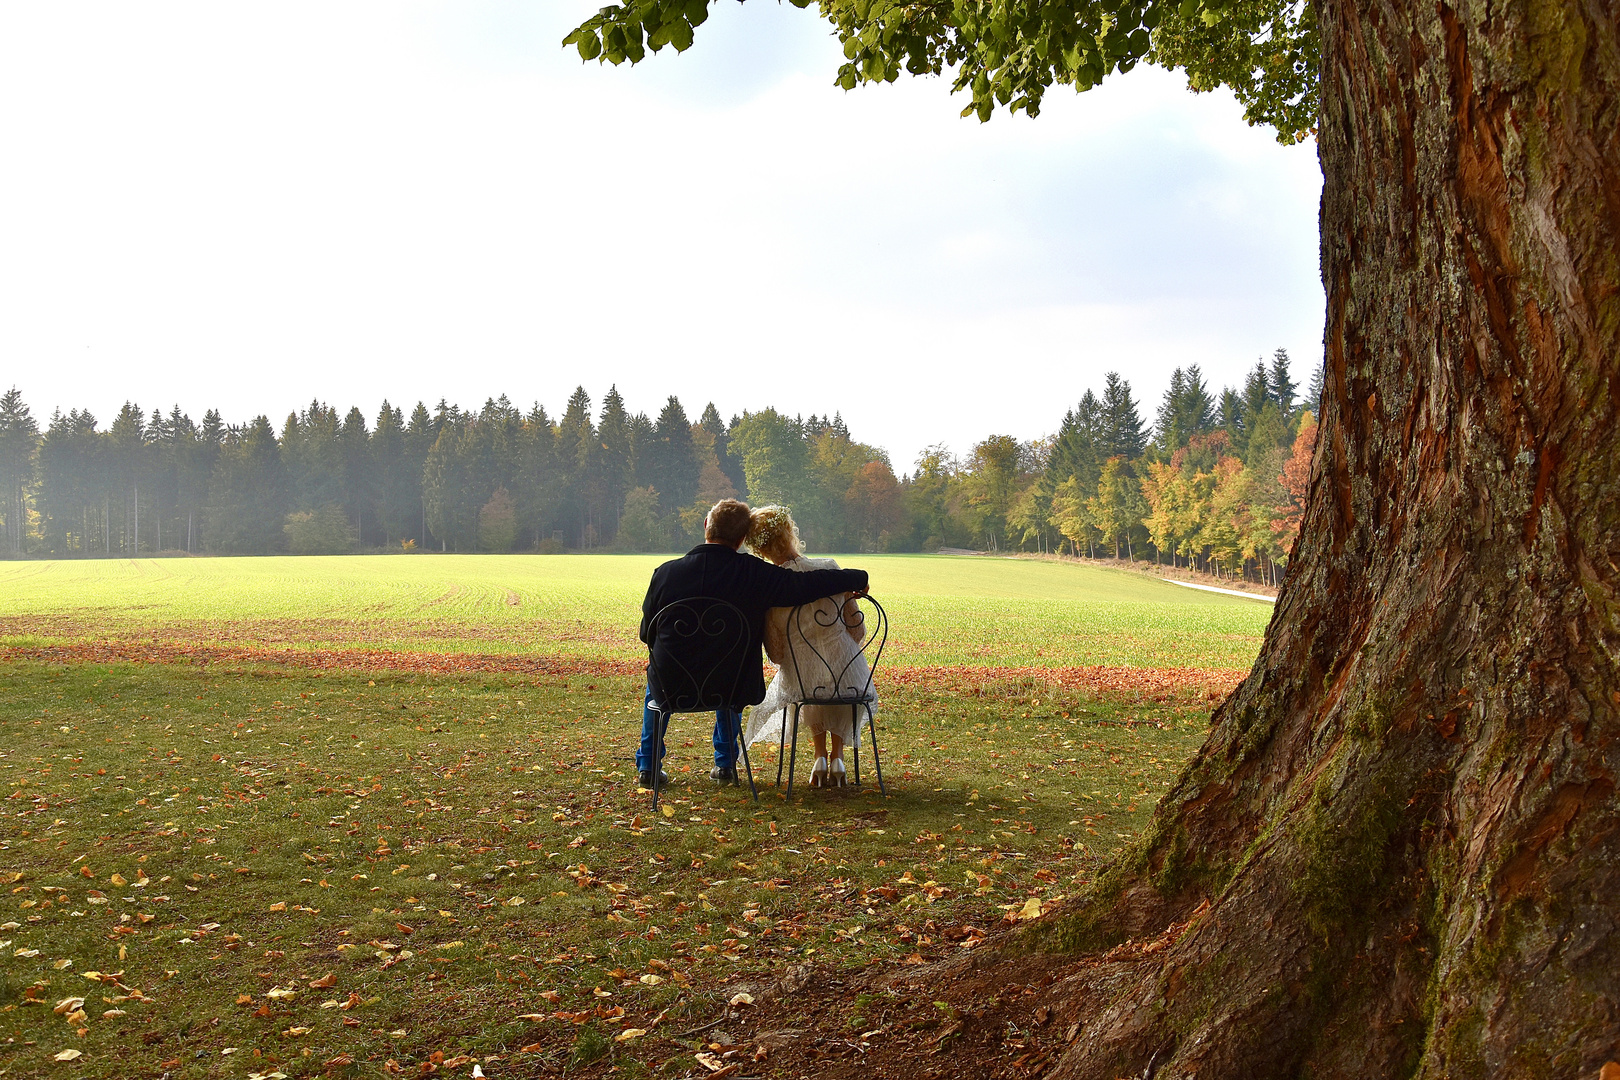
[[769, 526]]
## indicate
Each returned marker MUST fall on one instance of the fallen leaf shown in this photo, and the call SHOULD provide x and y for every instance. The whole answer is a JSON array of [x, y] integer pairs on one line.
[[330, 979], [741, 999], [281, 994], [67, 1005], [533, 1016], [70, 1055], [279, 905], [667, 810], [298, 1031], [118, 879], [629, 1033], [651, 980]]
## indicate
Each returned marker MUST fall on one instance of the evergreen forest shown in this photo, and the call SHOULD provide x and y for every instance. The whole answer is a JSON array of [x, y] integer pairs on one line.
[[1216, 481]]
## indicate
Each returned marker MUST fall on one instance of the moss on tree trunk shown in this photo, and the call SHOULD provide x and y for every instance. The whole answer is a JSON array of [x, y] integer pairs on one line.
[[1404, 822]]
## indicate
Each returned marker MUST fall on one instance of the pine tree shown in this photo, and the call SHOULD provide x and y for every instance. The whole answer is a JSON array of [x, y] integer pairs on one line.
[[1232, 418], [643, 451], [420, 435], [718, 429], [676, 472], [1282, 387], [1313, 394], [539, 478], [576, 439], [1075, 448], [613, 464], [19, 439], [449, 496], [312, 453], [250, 493], [1187, 411], [1125, 435], [391, 474], [359, 482], [126, 439]]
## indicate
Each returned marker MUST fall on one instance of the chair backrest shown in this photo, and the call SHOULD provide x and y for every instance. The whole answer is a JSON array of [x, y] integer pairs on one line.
[[699, 654], [827, 669]]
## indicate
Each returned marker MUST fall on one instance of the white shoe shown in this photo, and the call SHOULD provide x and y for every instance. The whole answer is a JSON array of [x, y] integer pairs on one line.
[[818, 773], [835, 773]]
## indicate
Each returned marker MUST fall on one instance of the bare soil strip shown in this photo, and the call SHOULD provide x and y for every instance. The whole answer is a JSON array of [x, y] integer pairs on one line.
[[1152, 682]]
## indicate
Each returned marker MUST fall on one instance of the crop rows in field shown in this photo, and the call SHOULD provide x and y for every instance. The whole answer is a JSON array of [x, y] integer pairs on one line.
[[943, 611]]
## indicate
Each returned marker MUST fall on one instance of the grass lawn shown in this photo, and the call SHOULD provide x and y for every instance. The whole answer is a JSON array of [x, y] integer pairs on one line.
[[259, 870], [945, 610]]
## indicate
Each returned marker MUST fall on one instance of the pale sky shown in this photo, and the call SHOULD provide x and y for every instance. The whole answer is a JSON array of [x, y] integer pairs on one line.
[[247, 205]]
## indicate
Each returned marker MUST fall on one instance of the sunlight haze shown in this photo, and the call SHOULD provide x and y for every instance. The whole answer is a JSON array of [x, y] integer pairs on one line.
[[248, 206]]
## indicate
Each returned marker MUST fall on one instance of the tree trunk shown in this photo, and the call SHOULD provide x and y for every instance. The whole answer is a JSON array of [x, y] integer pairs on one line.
[[1403, 824]]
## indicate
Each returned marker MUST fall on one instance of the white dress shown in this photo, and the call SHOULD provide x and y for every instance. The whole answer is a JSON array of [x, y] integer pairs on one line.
[[840, 661]]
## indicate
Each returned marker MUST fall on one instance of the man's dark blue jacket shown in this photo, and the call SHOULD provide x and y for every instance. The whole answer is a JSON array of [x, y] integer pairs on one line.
[[751, 583]]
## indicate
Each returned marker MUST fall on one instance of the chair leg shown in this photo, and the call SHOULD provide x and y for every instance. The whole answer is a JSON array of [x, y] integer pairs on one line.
[[658, 756], [877, 762], [793, 753], [781, 747], [747, 766], [855, 742]]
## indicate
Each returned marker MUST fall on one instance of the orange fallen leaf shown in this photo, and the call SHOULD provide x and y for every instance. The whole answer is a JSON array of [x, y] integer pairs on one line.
[[330, 979]]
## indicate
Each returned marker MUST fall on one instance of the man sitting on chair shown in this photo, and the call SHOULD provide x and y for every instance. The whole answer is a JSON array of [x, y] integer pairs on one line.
[[716, 568]]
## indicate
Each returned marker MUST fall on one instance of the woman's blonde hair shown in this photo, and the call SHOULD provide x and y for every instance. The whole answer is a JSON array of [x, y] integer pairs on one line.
[[771, 529]]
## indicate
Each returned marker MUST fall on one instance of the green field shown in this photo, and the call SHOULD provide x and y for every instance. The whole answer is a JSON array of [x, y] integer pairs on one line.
[[252, 869], [944, 610]]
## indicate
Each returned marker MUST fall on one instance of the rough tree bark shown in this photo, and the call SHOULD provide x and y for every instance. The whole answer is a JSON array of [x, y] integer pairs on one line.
[[1404, 822]]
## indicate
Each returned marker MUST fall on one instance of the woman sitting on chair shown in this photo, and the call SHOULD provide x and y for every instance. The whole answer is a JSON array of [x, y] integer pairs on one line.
[[825, 650]]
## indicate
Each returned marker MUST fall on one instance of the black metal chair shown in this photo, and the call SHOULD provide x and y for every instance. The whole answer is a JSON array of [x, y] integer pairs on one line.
[[823, 680], [697, 661]]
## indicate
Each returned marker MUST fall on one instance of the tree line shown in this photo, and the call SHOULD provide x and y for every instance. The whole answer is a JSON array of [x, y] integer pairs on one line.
[[1217, 482]]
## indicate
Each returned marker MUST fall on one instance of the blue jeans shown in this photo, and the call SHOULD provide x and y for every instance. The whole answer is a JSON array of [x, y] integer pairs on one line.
[[727, 730]]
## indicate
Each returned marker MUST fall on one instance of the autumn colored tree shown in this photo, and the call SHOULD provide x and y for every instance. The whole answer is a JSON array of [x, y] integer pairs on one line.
[[498, 522], [872, 506], [1117, 507], [1296, 481]]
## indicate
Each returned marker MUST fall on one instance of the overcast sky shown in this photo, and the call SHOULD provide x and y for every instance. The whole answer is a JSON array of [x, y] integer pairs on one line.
[[247, 205]]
